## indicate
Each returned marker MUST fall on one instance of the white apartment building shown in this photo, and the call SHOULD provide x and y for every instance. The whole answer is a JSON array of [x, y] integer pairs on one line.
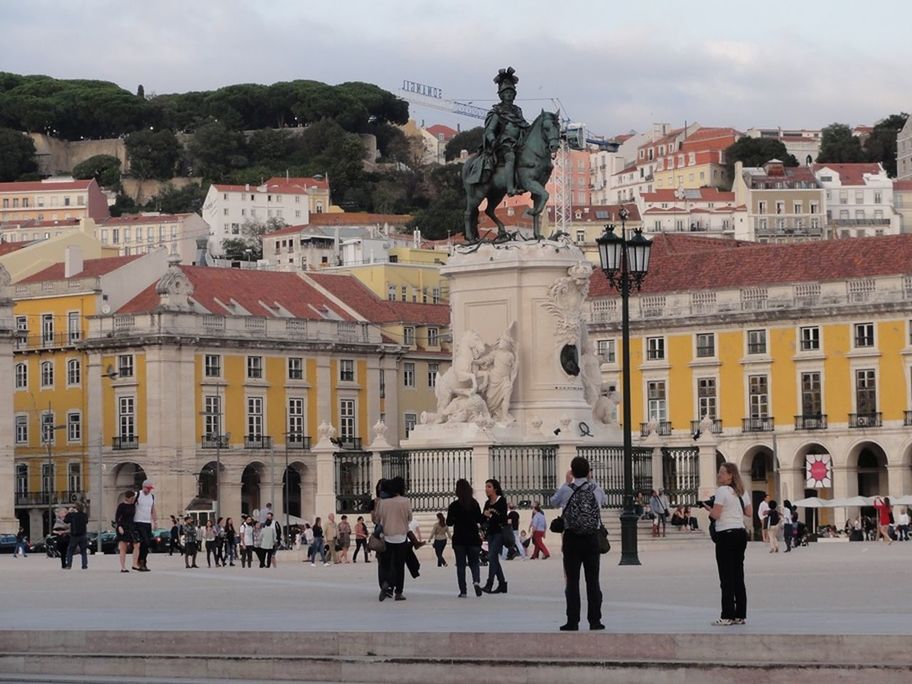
[[700, 210], [904, 152], [142, 233], [801, 143], [859, 200], [291, 200]]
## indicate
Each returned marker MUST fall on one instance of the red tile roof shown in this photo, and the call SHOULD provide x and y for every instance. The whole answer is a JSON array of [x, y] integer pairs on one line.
[[33, 223], [357, 295], [52, 186], [8, 247], [902, 186], [91, 268], [850, 174], [440, 129], [682, 263], [599, 213], [629, 169], [255, 291], [357, 218], [706, 195], [142, 218]]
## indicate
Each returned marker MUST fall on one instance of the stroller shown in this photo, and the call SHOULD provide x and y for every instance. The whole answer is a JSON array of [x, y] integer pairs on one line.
[[801, 535]]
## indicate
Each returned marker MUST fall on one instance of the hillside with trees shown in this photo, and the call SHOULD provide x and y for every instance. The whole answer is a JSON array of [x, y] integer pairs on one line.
[[241, 133]]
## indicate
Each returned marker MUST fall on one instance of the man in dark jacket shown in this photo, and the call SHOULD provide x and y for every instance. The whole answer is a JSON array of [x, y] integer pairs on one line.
[[78, 522]]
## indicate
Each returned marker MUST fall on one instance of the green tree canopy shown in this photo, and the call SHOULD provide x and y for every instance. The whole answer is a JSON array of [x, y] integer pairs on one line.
[[464, 140], [445, 212], [216, 151], [104, 168], [838, 145], [185, 200], [152, 154], [17, 155], [880, 145], [756, 152]]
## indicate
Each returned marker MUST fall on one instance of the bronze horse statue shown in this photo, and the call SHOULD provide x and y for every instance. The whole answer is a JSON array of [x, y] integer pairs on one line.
[[533, 169]]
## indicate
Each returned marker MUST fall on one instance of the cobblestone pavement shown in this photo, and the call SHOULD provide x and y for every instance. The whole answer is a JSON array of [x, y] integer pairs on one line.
[[826, 588]]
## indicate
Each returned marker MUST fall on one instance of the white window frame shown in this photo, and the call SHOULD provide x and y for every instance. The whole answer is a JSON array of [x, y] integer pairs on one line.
[[698, 347], [47, 374], [408, 335], [657, 400], [21, 374], [872, 337], [255, 367], [73, 367], [256, 417], [126, 367], [409, 421], [809, 338], [408, 374], [749, 344], [432, 369], [346, 370], [295, 419], [655, 348], [21, 428], [348, 423], [74, 427], [295, 367], [209, 367], [126, 417]]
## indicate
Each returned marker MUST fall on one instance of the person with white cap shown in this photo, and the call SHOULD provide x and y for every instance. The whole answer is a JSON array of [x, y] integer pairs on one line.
[[144, 520]]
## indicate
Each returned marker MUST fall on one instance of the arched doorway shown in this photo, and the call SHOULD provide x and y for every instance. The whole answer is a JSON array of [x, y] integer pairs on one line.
[[760, 473], [720, 459], [805, 487], [128, 475], [291, 490], [871, 468], [250, 487]]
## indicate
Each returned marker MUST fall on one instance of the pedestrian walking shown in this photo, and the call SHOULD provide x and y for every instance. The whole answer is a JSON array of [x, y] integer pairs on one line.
[[61, 536], [884, 518], [902, 525], [537, 528], [464, 516], [319, 543], [762, 511], [581, 501], [126, 530], [331, 533], [267, 542], [191, 542], [344, 543], [307, 538], [440, 533], [219, 547], [246, 539], [174, 541], [788, 524], [230, 542], [730, 506], [510, 551], [22, 544], [394, 515], [79, 535], [277, 542], [773, 518], [144, 519], [495, 513], [361, 540], [207, 537]]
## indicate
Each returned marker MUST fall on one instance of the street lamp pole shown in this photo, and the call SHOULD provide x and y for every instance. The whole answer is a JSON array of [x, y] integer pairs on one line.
[[48, 431], [625, 262]]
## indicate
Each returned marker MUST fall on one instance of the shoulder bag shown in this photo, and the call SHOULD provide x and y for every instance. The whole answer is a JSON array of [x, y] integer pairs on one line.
[[712, 523]]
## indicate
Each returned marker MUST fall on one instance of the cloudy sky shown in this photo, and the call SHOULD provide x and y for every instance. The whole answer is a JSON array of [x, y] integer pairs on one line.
[[614, 65]]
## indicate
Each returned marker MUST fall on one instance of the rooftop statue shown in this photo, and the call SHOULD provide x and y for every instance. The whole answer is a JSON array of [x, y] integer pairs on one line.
[[515, 157]]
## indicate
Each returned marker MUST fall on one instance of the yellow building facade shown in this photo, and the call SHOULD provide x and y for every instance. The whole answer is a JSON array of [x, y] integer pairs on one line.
[[774, 374]]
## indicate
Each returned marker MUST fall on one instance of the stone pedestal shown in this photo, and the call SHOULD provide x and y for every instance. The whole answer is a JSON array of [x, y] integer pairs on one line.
[[535, 294]]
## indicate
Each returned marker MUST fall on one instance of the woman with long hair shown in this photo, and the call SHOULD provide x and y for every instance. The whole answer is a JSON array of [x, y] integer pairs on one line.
[[394, 515], [495, 513], [884, 518], [319, 544], [731, 505], [464, 516], [439, 535], [208, 536]]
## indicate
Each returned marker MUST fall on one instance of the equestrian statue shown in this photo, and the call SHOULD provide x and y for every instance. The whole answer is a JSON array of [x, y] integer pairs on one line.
[[515, 157]]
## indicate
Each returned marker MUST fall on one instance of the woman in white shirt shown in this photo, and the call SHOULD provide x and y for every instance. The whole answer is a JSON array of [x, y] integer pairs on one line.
[[730, 507]]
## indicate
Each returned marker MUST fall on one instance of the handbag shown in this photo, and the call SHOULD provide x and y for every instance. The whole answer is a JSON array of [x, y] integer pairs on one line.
[[603, 543], [509, 536], [376, 542]]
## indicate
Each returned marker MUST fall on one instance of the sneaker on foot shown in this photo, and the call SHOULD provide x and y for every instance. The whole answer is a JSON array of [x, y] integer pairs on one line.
[[569, 628]]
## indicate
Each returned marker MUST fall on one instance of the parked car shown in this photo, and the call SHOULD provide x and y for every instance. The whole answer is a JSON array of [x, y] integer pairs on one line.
[[161, 538], [7, 543]]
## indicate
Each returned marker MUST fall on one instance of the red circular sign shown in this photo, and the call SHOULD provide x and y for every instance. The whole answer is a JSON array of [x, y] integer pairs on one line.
[[819, 471]]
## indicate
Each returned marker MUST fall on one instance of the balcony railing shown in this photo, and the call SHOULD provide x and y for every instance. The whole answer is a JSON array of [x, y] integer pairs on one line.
[[41, 498], [697, 426], [811, 422], [257, 442], [841, 222], [349, 443], [214, 441], [298, 442], [865, 420], [662, 429], [125, 443], [757, 425], [48, 341]]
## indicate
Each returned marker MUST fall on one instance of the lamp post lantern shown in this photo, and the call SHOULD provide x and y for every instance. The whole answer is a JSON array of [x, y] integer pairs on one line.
[[625, 261]]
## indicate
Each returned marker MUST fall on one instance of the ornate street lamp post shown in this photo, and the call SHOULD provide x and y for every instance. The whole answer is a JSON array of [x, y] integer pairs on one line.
[[625, 262]]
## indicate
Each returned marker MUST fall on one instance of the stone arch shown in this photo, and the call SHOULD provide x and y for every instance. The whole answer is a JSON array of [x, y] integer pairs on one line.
[[251, 495], [796, 486], [760, 475], [298, 489], [867, 466], [127, 475]]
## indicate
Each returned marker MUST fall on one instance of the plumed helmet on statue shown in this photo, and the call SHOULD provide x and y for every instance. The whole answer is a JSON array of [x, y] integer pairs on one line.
[[506, 78]]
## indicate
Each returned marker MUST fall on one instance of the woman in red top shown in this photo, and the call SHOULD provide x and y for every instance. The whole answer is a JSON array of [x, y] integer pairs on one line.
[[884, 518]]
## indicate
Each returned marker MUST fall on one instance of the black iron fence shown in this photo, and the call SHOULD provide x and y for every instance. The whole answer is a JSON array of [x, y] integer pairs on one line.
[[607, 466], [527, 473], [681, 475], [432, 476], [354, 488]]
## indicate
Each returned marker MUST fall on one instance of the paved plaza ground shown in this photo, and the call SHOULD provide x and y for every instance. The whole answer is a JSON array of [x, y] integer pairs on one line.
[[826, 588]]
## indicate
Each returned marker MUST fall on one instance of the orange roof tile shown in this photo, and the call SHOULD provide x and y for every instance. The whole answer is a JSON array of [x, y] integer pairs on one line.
[[357, 295], [680, 263], [32, 186], [8, 247], [902, 186], [706, 195], [91, 268], [357, 218], [850, 174], [142, 218]]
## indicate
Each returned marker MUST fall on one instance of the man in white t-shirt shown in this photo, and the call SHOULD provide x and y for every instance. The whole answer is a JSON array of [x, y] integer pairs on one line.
[[144, 520], [763, 513]]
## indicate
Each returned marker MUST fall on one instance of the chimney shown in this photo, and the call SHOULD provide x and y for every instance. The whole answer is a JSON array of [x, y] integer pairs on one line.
[[72, 261]]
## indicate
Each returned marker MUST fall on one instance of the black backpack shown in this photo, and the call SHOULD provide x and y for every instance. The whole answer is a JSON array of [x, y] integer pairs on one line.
[[582, 514]]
